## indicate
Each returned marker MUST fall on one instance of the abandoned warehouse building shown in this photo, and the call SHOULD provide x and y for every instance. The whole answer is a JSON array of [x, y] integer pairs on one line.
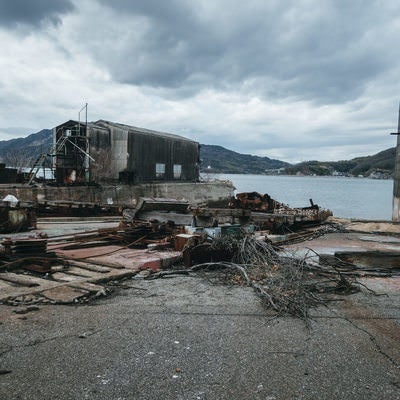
[[105, 151]]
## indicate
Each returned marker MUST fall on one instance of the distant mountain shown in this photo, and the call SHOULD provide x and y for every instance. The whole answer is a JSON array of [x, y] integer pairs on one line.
[[384, 160], [218, 159], [35, 143], [380, 165], [23, 151]]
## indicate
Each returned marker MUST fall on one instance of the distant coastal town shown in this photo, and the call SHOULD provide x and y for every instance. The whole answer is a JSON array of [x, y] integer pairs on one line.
[[217, 159]]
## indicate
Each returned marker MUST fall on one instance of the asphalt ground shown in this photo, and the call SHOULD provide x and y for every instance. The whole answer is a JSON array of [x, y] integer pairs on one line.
[[194, 338]]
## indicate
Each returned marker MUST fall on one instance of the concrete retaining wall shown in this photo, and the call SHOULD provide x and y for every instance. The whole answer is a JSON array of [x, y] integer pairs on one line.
[[195, 193]]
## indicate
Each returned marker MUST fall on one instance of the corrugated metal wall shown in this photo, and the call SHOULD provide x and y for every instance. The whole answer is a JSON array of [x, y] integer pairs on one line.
[[123, 154], [145, 151]]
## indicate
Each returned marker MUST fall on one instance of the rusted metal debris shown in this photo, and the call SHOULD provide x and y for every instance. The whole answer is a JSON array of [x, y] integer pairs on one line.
[[192, 230], [29, 253], [260, 212], [270, 214], [24, 247], [64, 208], [17, 217], [104, 254], [170, 211], [71, 268], [265, 203], [255, 201]]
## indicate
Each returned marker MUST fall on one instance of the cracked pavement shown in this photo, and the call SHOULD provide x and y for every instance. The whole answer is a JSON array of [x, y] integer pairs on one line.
[[189, 338]]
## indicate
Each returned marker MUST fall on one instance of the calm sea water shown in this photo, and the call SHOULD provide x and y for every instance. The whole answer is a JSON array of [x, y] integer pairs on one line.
[[346, 197]]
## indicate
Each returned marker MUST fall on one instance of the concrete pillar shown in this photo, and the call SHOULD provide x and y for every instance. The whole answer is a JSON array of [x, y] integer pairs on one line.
[[396, 178]]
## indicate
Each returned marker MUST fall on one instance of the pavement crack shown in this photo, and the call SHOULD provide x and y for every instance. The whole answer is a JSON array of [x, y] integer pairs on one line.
[[9, 348], [35, 343], [375, 343], [66, 336], [372, 338], [307, 366]]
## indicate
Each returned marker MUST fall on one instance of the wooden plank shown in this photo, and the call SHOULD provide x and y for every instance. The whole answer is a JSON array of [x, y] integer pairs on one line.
[[61, 277], [81, 272], [90, 287], [5, 286], [89, 266], [22, 280], [114, 275]]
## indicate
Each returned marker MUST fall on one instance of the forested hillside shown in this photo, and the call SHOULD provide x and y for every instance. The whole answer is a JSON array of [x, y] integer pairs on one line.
[[220, 159]]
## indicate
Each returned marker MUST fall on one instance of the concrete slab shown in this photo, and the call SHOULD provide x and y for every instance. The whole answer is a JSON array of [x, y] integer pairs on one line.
[[8, 289], [387, 286], [17, 292], [64, 294], [380, 239], [187, 338], [333, 242]]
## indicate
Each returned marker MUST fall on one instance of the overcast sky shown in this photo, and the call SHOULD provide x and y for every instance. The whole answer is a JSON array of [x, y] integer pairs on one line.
[[294, 80]]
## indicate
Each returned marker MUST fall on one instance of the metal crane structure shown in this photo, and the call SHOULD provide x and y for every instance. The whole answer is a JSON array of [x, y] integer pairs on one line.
[[69, 154], [70, 149]]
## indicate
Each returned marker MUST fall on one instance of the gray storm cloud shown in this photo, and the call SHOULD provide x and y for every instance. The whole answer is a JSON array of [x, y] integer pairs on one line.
[[32, 12], [321, 51]]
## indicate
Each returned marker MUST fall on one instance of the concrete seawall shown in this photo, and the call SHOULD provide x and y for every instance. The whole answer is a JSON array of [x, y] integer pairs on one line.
[[195, 193]]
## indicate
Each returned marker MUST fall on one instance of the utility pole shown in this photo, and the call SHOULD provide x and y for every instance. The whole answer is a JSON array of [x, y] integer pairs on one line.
[[396, 177]]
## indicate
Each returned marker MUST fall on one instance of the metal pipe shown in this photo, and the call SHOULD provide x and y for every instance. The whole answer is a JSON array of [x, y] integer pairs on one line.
[[81, 150]]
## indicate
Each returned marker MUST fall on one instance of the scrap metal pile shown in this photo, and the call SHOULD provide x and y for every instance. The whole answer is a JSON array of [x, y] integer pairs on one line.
[[220, 240], [285, 283], [41, 254], [140, 235], [270, 214]]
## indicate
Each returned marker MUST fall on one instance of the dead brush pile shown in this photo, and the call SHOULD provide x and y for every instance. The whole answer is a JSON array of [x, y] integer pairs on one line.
[[286, 284]]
